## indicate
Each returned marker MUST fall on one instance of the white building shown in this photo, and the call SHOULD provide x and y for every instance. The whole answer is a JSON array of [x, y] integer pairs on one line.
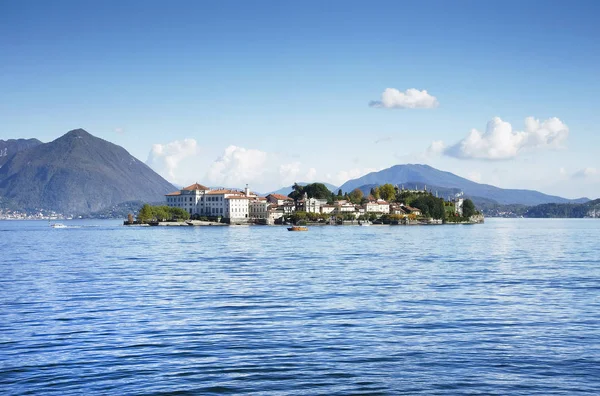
[[259, 208], [327, 209], [379, 206], [200, 200], [458, 206]]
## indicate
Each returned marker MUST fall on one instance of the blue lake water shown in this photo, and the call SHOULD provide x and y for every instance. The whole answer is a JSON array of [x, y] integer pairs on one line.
[[508, 307]]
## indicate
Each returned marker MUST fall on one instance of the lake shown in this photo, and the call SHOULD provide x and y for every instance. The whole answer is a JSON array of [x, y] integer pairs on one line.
[[508, 307]]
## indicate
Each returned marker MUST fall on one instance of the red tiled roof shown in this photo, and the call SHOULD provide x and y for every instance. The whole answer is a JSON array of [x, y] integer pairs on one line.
[[196, 186], [280, 196], [173, 193]]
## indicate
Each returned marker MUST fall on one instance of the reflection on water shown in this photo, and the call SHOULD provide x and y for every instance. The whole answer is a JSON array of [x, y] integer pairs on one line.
[[508, 307]]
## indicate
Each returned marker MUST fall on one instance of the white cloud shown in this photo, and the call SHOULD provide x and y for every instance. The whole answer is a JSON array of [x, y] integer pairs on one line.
[[412, 98], [500, 141], [436, 147], [289, 172], [310, 175], [562, 171], [165, 158], [237, 166], [586, 172]]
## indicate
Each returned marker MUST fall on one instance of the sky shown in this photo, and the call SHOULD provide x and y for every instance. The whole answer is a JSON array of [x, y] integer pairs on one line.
[[272, 92]]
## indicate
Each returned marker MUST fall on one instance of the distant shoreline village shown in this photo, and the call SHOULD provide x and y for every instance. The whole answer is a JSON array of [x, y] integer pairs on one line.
[[201, 205]]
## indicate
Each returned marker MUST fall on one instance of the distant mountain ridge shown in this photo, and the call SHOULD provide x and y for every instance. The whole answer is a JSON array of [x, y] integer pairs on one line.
[[76, 174], [10, 147], [427, 175]]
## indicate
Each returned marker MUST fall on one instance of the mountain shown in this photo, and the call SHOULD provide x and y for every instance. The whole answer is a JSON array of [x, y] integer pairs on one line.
[[426, 175], [76, 174], [287, 190], [10, 147]]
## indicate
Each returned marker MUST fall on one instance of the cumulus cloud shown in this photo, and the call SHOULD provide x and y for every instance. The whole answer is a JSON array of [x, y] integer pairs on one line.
[[237, 166], [500, 141], [310, 175], [436, 147], [165, 158], [412, 98], [585, 173]]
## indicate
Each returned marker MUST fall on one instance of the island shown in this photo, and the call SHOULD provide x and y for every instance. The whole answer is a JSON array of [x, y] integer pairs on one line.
[[311, 204]]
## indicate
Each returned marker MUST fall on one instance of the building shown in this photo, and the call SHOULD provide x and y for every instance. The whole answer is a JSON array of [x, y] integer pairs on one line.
[[279, 199], [411, 210], [203, 201], [397, 209], [458, 206], [259, 208], [327, 209], [310, 205], [191, 198], [379, 206]]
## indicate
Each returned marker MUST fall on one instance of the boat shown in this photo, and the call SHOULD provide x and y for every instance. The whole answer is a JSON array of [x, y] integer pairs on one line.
[[364, 224], [58, 225], [297, 228]]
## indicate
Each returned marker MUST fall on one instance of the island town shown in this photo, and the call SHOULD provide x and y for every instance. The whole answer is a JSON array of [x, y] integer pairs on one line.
[[311, 204]]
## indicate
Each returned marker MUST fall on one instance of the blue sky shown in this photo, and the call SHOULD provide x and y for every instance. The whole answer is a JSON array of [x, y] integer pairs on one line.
[[226, 93]]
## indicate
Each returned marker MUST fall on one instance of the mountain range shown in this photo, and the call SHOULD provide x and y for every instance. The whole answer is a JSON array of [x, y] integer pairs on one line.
[[410, 175], [79, 173], [76, 174], [9, 148]]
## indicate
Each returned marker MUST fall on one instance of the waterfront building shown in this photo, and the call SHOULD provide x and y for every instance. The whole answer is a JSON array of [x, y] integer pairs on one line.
[[279, 199], [203, 201], [379, 206]]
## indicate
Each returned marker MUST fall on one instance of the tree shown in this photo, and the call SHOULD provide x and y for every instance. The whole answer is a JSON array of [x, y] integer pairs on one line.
[[356, 196], [468, 208], [297, 193], [387, 192], [375, 192], [145, 214], [318, 191]]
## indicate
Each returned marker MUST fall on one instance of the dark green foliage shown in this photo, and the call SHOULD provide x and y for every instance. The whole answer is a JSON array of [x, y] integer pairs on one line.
[[150, 213], [313, 190], [468, 208], [563, 210], [430, 206]]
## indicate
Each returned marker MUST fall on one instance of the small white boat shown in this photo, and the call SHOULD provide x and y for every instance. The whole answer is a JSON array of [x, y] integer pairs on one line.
[[58, 225], [364, 224]]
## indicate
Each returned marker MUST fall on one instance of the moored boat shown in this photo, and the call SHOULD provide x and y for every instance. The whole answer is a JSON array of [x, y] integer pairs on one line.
[[58, 225], [297, 228]]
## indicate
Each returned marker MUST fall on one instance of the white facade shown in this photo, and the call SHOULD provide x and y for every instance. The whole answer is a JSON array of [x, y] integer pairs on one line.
[[259, 208], [199, 200], [379, 206]]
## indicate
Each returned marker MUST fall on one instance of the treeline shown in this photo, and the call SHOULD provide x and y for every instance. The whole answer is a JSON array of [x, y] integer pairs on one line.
[[553, 210], [149, 213]]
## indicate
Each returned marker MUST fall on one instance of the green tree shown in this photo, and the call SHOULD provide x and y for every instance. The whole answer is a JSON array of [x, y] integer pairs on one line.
[[387, 192], [468, 208], [145, 214], [375, 192], [356, 196]]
